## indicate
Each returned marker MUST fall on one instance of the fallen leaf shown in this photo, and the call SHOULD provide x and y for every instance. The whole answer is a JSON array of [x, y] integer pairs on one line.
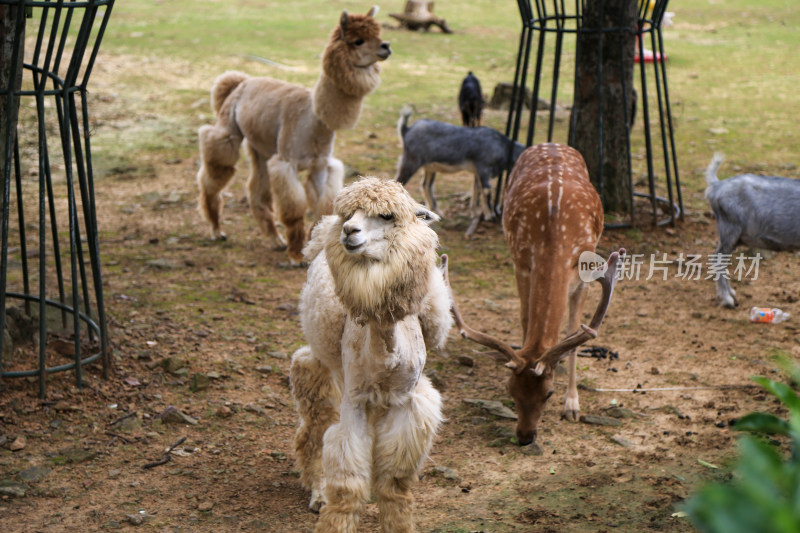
[[707, 464]]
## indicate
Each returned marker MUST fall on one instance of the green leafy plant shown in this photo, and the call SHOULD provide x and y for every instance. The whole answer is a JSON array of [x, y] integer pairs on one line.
[[764, 495]]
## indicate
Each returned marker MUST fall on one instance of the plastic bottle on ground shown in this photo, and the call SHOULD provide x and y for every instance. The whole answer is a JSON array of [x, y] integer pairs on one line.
[[767, 315]]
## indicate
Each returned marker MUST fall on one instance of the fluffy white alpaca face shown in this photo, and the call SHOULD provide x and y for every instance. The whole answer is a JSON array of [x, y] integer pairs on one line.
[[366, 236]]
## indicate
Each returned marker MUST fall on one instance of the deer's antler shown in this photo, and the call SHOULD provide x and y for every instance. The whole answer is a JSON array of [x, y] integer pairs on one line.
[[608, 280], [514, 361]]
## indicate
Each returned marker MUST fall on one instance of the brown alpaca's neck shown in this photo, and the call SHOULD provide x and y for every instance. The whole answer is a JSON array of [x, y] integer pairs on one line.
[[335, 108], [340, 91]]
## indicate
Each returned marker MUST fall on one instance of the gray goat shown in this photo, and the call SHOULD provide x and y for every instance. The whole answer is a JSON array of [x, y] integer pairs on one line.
[[441, 147], [752, 210]]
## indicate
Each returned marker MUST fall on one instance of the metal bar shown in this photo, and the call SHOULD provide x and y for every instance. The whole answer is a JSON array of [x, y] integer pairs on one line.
[[44, 172], [68, 106], [100, 34], [90, 217], [54, 219], [657, 59], [62, 42], [573, 117], [556, 69], [51, 42], [81, 168], [522, 83], [23, 245], [86, 319], [670, 129], [535, 93], [646, 125], [522, 38]]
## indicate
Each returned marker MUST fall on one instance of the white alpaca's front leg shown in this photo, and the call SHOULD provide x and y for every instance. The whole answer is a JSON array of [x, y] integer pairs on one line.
[[346, 458], [403, 439], [316, 397]]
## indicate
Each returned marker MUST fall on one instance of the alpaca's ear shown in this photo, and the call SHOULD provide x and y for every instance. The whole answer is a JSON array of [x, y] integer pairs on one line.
[[428, 217], [372, 12], [343, 23]]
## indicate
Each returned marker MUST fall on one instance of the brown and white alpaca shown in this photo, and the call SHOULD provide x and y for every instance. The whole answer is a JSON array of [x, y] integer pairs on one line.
[[289, 129], [374, 300]]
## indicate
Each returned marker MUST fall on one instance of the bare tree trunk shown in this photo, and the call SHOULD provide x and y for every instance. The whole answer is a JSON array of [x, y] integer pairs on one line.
[[8, 80], [609, 53]]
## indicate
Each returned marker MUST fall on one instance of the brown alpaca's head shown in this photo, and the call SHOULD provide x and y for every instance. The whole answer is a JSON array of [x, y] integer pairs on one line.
[[380, 250], [352, 55]]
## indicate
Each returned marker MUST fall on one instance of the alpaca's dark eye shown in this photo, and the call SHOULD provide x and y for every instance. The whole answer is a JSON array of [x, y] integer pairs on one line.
[[390, 216], [358, 42]]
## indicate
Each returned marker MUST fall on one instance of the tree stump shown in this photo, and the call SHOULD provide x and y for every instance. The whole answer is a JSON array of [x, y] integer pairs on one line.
[[418, 15]]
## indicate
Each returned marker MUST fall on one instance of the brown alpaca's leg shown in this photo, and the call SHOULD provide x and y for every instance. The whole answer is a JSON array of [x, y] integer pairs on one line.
[[321, 188], [219, 152], [259, 193], [292, 204], [327, 186], [403, 439], [316, 397], [346, 458]]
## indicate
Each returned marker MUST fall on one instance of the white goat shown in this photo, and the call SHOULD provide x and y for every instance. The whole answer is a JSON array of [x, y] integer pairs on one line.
[[373, 301], [751, 210]]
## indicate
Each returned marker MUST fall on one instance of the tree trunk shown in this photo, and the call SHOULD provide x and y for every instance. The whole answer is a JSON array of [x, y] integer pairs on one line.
[[598, 124], [8, 80]]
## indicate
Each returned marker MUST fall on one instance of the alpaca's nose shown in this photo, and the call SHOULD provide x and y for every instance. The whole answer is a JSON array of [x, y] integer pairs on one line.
[[386, 51], [350, 229]]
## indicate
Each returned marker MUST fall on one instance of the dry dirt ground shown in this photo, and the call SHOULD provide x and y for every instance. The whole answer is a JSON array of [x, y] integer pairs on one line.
[[180, 306]]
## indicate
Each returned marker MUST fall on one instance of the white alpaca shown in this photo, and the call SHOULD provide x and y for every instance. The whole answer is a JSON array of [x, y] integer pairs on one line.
[[373, 301], [289, 129]]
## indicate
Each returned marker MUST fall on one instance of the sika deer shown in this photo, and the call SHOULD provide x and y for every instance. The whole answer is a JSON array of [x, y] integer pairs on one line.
[[551, 215]]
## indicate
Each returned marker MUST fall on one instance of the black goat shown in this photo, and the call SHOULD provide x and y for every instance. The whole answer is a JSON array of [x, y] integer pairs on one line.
[[470, 101]]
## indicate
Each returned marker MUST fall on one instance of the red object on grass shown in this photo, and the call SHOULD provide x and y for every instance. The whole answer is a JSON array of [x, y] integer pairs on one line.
[[649, 57]]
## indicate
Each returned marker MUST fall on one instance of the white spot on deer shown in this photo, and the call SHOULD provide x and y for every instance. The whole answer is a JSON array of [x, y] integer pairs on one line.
[[560, 192]]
